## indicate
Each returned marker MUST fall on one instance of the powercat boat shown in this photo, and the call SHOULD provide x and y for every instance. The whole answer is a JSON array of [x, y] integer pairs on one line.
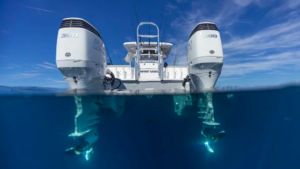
[[81, 59]]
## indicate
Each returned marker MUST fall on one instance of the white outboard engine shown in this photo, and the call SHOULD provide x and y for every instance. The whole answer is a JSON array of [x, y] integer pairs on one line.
[[205, 56], [80, 54]]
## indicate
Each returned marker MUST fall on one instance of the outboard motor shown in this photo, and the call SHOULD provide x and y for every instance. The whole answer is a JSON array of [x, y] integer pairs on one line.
[[80, 54], [205, 56]]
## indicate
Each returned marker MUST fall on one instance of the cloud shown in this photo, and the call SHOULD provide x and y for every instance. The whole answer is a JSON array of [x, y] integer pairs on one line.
[[228, 78], [170, 6], [259, 54], [24, 75], [38, 67], [12, 66], [275, 62], [38, 9], [244, 3], [224, 15], [287, 5], [114, 52], [281, 36], [271, 50], [182, 1], [129, 39], [50, 64], [45, 65], [182, 61], [181, 45], [56, 81]]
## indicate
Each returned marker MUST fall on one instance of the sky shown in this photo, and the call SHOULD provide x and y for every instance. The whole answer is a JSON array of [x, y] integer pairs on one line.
[[261, 38]]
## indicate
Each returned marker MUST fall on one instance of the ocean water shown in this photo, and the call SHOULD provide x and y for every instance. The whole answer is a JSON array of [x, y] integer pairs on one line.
[[262, 131]]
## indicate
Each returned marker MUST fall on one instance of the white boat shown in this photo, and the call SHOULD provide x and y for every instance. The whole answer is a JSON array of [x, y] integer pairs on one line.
[[81, 58]]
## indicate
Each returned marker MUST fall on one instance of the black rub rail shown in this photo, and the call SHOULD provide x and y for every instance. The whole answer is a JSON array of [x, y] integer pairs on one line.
[[76, 23]]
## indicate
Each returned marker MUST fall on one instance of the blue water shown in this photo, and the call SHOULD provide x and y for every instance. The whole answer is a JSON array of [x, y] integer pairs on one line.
[[262, 129]]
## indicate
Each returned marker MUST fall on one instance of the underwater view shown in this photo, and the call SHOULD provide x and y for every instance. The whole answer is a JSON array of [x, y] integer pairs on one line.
[[149, 84], [261, 130]]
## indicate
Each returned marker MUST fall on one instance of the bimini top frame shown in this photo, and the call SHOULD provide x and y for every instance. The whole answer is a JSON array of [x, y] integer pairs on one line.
[[159, 56]]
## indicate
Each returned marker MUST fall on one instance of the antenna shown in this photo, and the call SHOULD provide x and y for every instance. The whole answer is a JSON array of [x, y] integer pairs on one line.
[[149, 20], [133, 27], [166, 26], [91, 18], [120, 57], [175, 57], [102, 39], [137, 20], [108, 54], [162, 16]]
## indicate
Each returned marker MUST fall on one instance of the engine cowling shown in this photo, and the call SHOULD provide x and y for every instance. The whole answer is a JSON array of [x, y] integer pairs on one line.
[[205, 56], [80, 54]]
